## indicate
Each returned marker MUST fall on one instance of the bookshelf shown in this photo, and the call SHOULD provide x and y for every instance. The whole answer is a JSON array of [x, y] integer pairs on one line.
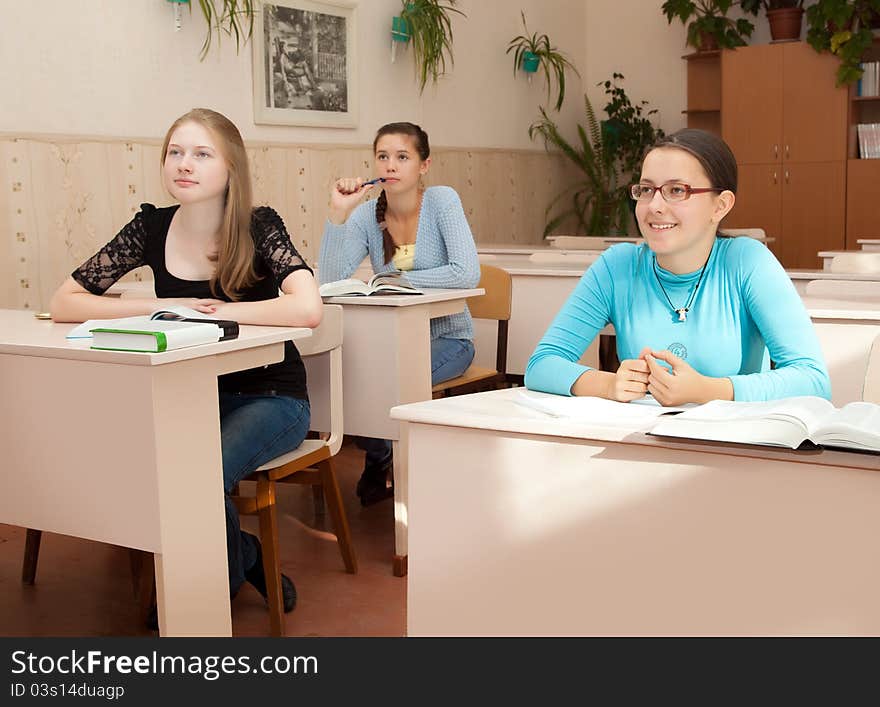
[[704, 91], [862, 175]]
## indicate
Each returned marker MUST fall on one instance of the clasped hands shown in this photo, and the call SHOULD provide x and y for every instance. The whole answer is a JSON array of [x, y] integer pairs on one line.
[[646, 374]]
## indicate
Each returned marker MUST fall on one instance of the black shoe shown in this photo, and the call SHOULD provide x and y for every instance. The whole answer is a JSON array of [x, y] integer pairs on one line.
[[257, 578], [371, 487]]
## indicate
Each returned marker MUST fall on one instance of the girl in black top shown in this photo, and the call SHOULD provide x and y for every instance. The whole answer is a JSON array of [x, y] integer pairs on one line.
[[215, 253]]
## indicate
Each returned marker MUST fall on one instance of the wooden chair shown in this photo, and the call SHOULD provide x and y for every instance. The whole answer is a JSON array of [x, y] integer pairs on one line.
[[495, 304], [871, 391], [844, 289], [858, 261], [310, 463]]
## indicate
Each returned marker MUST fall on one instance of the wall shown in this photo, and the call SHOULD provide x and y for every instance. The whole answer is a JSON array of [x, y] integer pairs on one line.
[[118, 69]]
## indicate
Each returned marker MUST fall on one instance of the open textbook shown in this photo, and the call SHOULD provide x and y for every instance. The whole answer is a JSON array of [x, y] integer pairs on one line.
[[170, 313], [791, 422], [389, 283], [594, 410]]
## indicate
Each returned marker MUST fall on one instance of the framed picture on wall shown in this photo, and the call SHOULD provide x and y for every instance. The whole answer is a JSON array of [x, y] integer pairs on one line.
[[305, 63]]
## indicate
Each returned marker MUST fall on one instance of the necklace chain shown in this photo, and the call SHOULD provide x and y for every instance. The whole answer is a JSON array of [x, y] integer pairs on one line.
[[681, 311]]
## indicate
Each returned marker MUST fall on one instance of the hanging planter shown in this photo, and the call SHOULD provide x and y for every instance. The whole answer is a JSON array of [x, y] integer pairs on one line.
[[530, 62], [399, 33]]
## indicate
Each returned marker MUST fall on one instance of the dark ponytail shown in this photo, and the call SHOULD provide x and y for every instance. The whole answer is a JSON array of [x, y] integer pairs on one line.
[[420, 139]]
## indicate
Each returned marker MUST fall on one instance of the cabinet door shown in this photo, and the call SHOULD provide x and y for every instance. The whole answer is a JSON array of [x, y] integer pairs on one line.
[[751, 103], [813, 211], [813, 109], [759, 202], [862, 198]]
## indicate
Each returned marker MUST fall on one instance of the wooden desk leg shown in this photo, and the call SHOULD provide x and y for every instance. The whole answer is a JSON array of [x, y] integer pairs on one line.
[[401, 449]]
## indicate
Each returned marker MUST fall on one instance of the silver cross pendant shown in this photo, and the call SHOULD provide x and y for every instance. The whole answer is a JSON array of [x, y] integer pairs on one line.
[[682, 314]]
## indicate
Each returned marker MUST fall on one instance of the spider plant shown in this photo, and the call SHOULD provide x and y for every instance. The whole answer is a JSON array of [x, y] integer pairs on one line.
[[550, 59], [232, 17], [430, 28]]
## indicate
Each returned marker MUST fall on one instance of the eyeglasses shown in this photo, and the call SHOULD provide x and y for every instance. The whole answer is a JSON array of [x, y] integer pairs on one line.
[[671, 191]]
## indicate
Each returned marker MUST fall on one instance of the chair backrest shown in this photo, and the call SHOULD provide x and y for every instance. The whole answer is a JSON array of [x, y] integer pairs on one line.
[[858, 261], [565, 258], [844, 289], [495, 304], [322, 356], [757, 233], [871, 391], [579, 243]]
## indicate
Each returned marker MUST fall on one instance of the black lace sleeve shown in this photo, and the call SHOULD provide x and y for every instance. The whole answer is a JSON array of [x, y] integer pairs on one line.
[[273, 244], [121, 255]]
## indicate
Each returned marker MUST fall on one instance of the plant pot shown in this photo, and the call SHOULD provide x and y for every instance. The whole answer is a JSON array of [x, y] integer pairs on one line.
[[707, 42], [785, 23], [399, 29], [530, 62]]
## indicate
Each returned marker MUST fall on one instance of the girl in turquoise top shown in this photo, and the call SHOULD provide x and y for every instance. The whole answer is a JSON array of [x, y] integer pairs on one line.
[[695, 313]]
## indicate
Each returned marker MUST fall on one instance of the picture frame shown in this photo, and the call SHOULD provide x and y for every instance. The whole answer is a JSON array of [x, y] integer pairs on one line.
[[304, 63]]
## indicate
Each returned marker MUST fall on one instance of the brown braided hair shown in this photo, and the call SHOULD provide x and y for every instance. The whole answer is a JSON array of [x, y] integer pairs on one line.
[[420, 140]]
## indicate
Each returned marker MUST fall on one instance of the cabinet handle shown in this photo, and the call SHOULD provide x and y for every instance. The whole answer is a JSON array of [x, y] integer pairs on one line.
[[776, 150], [775, 179], [787, 155], [786, 176]]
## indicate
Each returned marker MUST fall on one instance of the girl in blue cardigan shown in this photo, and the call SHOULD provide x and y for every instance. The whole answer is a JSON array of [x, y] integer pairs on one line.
[[698, 316], [423, 232]]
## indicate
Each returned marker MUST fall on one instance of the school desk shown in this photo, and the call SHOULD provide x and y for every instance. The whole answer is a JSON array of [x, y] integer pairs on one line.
[[869, 244], [124, 448], [532, 525], [386, 361]]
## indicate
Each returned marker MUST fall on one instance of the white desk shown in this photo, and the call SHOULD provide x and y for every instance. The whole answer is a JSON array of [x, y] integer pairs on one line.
[[528, 525], [124, 448], [386, 361], [828, 255], [869, 244], [800, 278]]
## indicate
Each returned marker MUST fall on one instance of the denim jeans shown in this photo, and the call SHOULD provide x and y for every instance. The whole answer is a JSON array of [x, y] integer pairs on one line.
[[449, 358], [254, 429]]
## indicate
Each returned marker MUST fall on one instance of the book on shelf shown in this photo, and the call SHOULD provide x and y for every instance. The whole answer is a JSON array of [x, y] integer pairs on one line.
[[869, 140], [800, 422], [174, 312], [389, 283]]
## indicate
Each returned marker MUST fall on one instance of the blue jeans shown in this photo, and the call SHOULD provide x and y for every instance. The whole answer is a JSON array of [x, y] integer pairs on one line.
[[254, 429], [449, 358]]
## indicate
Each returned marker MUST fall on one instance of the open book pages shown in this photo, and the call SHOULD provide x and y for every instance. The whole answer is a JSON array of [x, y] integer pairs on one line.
[[389, 283], [173, 312], [593, 410], [784, 423]]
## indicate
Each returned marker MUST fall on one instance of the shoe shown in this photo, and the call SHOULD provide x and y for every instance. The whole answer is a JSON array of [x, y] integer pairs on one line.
[[257, 578], [371, 487]]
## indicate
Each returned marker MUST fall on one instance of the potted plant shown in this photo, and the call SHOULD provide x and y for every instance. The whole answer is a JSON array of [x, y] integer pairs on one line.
[[784, 16], [428, 24], [710, 27], [843, 27], [534, 51], [232, 17], [606, 154]]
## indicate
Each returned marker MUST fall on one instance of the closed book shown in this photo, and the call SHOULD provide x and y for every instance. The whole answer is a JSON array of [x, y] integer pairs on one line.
[[153, 336]]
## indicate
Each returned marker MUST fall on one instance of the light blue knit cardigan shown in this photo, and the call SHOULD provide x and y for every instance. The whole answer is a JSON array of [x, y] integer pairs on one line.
[[445, 256]]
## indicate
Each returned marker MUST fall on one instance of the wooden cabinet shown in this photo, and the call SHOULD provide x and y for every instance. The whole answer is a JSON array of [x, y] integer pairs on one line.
[[786, 122]]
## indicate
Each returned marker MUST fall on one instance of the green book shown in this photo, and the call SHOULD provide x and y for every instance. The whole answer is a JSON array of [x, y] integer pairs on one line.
[[153, 336]]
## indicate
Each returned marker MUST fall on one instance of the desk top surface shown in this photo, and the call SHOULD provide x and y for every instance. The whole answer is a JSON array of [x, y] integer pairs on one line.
[[429, 296], [24, 335], [498, 411], [842, 309]]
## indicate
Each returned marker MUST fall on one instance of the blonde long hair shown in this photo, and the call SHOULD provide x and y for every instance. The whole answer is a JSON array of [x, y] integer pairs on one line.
[[235, 249]]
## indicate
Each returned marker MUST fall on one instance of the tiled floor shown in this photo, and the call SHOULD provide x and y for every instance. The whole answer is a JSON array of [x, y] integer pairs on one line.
[[84, 588]]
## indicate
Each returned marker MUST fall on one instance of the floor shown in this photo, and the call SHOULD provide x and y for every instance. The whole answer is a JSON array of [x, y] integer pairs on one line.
[[84, 588]]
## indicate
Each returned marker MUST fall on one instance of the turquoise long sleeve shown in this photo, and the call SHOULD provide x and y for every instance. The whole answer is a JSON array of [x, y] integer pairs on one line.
[[746, 312]]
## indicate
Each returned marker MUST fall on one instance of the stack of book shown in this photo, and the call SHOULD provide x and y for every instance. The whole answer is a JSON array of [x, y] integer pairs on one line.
[[869, 85], [869, 140]]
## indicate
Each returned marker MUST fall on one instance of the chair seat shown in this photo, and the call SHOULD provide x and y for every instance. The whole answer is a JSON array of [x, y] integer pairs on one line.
[[308, 446], [471, 375]]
